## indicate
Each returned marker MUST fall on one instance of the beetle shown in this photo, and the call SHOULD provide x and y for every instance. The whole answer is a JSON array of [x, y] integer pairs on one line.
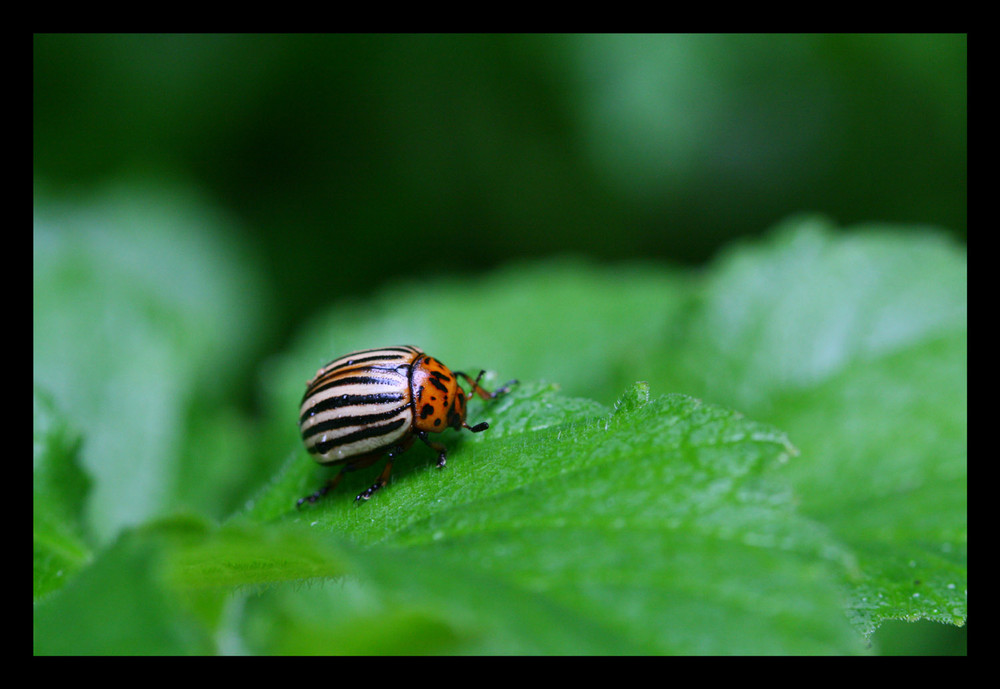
[[376, 402]]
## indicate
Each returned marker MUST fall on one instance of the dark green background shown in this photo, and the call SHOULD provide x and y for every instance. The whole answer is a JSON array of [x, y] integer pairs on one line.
[[353, 161]]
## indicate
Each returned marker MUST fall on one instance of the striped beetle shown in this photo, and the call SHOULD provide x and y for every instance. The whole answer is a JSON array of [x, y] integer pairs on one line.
[[375, 402]]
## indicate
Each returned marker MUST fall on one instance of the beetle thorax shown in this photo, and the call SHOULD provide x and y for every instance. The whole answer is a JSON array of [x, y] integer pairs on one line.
[[438, 401]]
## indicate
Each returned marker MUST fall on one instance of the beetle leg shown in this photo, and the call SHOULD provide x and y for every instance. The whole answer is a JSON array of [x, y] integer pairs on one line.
[[380, 482], [327, 487], [437, 447], [482, 392], [383, 478], [476, 388]]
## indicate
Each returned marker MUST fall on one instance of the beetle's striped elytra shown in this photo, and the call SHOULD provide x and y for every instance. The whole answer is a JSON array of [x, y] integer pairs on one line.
[[375, 402]]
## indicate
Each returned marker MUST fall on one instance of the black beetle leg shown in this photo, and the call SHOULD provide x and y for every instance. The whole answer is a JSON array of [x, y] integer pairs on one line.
[[383, 478], [437, 447], [327, 487]]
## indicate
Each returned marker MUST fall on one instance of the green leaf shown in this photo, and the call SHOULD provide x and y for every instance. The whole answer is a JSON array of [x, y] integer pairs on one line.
[[60, 490], [122, 604], [653, 525], [790, 472], [857, 346], [143, 312], [787, 314], [573, 529], [893, 482]]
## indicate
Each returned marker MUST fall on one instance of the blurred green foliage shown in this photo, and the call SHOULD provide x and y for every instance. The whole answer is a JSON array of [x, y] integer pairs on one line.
[[658, 524], [354, 160]]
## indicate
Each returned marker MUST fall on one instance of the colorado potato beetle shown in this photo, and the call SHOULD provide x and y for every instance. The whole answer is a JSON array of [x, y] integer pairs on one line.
[[376, 402]]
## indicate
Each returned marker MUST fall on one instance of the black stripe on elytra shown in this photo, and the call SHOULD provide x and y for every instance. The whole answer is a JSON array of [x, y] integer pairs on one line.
[[352, 380], [362, 434], [354, 360], [343, 401], [349, 420]]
